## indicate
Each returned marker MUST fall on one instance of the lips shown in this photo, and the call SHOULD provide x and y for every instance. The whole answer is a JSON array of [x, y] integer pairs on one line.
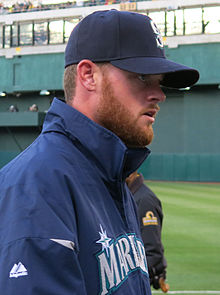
[[151, 114]]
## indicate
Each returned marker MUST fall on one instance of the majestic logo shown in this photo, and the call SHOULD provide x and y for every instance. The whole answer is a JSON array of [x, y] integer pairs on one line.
[[18, 270], [118, 259], [149, 219], [157, 33]]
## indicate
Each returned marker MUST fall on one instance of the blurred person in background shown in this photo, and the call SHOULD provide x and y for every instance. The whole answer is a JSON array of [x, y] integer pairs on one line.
[[13, 108], [150, 215], [33, 108]]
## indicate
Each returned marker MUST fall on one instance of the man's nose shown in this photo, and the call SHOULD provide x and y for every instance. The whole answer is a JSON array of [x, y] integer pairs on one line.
[[162, 96], [156, 95]]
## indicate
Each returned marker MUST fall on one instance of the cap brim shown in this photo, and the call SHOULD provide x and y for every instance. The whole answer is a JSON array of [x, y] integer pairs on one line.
[[175, 75]]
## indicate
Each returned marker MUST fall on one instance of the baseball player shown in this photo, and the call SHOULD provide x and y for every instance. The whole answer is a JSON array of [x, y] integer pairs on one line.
[[68, 220]]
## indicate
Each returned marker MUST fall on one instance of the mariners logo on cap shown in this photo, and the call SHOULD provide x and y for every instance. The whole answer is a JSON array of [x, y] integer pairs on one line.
[[157, 33]]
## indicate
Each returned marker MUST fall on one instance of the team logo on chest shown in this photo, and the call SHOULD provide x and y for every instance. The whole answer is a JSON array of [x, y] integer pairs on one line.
[[118, 258]]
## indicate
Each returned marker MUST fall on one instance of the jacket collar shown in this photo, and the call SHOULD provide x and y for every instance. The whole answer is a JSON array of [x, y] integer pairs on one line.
[[99, 144]]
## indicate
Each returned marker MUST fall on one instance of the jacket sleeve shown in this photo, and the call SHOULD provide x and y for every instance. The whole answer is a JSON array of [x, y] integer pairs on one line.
[[34, 266], [39, 239]]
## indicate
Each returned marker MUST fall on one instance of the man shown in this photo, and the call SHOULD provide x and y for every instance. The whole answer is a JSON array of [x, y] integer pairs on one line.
[[68, 221], [151, 218]]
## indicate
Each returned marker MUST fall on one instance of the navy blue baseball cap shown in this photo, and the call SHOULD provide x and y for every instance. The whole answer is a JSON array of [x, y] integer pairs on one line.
[[129, 41]]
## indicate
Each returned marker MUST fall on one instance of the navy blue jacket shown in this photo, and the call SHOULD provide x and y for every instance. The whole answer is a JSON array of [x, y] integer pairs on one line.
[[68, 221]]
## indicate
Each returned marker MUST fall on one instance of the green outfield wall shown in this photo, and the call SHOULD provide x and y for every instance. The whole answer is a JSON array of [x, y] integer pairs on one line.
[[31, 72], [182, 167], [186, 146]]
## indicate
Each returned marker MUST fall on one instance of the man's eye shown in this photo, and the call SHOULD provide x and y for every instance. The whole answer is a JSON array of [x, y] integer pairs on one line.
[[142, 78]]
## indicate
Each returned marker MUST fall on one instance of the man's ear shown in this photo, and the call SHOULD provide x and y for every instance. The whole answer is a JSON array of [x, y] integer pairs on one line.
[[87, 74]]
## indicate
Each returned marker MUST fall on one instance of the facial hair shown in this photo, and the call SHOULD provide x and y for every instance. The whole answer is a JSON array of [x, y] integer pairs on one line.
[[113, 115]]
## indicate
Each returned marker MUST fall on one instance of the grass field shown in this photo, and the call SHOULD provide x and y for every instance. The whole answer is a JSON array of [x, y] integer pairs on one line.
[[191, 234]]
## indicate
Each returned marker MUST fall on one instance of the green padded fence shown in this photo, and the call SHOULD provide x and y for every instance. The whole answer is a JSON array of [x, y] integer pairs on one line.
[[182, 167]]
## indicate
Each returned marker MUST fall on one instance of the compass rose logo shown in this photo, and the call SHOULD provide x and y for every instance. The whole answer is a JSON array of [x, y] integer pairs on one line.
[[104, 241]]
